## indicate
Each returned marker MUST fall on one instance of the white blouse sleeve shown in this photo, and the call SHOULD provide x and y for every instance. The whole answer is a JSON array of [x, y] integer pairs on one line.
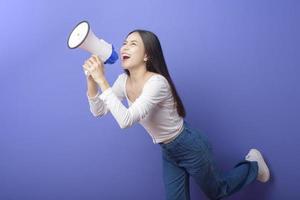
[[155, 90], [97, 106]]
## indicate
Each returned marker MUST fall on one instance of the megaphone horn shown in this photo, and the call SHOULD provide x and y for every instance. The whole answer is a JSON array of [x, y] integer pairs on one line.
[[83, 37]]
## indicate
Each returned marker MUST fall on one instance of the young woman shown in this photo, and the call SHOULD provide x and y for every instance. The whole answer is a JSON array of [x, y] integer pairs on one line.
[[154, 103]]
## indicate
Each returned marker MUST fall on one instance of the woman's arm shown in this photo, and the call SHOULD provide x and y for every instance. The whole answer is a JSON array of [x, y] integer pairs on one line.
[[92, 88], [155, 91], [95, 67], [97, 106]]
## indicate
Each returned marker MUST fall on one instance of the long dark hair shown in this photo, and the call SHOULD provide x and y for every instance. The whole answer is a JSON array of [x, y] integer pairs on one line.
[[156, 63]]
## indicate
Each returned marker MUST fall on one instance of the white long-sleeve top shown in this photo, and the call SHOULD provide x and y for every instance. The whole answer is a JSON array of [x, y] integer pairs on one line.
[[154, 109]]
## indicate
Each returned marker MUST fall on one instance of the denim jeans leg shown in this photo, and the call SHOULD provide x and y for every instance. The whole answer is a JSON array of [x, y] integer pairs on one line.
[[216, 184], [196, 157], [176, 179], [244, 173]]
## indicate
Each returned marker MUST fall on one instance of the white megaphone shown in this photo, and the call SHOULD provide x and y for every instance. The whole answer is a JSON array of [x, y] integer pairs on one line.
[[82, 36]]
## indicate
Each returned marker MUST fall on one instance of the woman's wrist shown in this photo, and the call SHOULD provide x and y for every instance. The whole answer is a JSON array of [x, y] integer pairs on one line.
[[102, 83], [100, 80], [92, 87]]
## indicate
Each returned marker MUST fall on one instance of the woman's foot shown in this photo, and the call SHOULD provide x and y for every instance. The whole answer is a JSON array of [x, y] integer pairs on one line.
[[263, 170]]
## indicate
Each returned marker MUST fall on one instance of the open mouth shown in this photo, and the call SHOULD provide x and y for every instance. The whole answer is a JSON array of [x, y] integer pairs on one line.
[[125, 57]]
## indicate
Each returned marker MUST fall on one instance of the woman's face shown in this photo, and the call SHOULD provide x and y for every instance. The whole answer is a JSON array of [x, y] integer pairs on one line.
[[133, 51]]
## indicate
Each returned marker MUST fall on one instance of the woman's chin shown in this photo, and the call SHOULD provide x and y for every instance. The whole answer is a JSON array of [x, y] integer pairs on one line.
[[125, 66]]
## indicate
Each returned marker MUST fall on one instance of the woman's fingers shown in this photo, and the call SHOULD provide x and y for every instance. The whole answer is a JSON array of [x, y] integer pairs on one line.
[[93, 64], [96, 58], [87, 62], [86, 67], [90, 63], [93, 58], [86, 70]]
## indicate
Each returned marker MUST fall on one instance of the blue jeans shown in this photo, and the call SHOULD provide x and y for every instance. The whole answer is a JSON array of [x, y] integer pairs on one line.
[[190, 154]]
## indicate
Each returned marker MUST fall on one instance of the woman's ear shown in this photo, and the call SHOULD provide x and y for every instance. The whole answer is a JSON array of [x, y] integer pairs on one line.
[[145, 58]]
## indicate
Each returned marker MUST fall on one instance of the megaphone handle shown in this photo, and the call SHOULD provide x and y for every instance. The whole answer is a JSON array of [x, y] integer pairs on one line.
[[86, 73]]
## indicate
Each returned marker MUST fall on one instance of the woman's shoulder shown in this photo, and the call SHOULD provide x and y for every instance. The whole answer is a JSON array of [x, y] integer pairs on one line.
[[158, 81], [152, 75], [158, 77], [155, 78]]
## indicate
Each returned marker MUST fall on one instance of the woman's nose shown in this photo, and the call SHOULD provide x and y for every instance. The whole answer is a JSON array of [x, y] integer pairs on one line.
[[124, 48]]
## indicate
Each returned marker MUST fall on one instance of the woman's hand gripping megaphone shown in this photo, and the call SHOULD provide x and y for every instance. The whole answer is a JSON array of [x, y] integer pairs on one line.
[[95, 68]]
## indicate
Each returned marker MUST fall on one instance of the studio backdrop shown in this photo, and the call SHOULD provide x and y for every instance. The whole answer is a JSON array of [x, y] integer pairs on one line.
[[234, 63]]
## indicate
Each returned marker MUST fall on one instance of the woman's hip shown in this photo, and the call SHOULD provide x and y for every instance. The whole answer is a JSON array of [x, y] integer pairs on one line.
[[189, 140]]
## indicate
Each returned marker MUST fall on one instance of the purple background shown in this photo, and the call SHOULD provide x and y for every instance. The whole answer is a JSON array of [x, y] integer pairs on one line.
[[235, 65]]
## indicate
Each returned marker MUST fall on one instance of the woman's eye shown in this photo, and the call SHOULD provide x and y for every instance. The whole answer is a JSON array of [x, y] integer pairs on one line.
[[133, 44]]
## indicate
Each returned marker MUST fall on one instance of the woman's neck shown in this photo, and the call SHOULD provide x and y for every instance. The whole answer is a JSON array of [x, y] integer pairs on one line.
[[137, 75]]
